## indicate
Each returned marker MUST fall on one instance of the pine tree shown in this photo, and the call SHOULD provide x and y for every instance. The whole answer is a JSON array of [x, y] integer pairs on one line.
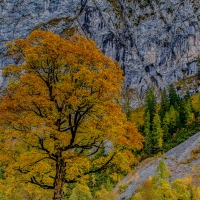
[[164, 104], [148, 135], [157, 134], [165, 126], [150, 104], [173, 119], [174, 98], [188, 111], [127, 95], [187, 95]]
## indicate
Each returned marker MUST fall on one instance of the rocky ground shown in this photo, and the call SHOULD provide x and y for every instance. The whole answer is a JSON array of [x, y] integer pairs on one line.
[[182, 160]]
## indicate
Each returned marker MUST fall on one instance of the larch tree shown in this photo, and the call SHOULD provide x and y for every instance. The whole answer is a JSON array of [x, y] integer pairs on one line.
[[58, 110], [180, 190], [146, 190], [161, 172]]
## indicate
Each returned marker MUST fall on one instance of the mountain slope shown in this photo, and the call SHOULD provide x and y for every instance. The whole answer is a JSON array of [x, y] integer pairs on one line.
[[182, 160]]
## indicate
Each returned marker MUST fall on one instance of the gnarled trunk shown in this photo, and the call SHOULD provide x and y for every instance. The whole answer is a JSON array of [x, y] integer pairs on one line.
[[59, 179]]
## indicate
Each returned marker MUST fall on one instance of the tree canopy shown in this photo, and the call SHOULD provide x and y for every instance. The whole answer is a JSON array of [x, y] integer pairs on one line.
[[58, 111]]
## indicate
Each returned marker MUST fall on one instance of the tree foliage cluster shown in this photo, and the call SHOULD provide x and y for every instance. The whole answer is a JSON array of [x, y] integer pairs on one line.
[[170, 122], [158, 187], [60, 118]]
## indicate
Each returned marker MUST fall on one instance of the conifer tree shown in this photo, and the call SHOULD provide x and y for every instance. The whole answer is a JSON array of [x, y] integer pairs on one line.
[[161, 171], [160, 179], [173, 119], [164, 104], [188, 111], [150, 104], [187, 95], [157, 134], [148, 136], [174, 98], [127, 95], [165, 126]]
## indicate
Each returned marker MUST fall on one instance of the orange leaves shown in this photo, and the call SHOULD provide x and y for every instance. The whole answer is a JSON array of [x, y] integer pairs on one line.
[[60, 106]]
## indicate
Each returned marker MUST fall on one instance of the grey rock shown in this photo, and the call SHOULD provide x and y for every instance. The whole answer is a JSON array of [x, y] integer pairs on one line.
[[179, 161], [156, 42]]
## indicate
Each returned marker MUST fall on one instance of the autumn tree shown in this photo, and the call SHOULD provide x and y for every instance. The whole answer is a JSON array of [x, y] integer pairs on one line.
[[146, 191], [105, 194], [161, 172], [59, 109], [180, 189]]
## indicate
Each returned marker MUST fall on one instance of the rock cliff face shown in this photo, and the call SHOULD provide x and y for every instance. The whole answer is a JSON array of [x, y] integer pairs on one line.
[[156, 42]]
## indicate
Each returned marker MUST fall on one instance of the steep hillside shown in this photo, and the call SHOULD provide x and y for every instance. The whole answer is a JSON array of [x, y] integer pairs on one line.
[[180, 161], [156, 42]]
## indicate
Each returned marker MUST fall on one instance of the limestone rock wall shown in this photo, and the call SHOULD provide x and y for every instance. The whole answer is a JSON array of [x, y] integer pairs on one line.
[[156, 42]]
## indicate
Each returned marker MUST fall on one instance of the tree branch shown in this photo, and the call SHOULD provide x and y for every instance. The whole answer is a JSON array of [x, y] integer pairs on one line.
[[103, 167], [42, 185]]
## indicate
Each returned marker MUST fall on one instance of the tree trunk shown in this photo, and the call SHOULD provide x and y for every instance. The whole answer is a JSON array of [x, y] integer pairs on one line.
[[59, 179]]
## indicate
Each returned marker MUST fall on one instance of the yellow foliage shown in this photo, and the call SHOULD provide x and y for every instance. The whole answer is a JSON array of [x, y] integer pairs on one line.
[[196, 101], [137, 116], [81, 192], [180, 189], [147, 191], [105, 194], [59, 109], [196, 193]]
